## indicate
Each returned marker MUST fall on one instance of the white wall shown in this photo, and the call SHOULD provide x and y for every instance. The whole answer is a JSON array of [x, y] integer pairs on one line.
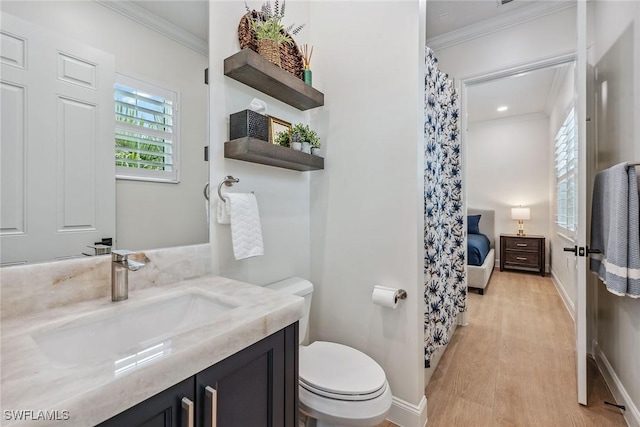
[[357, 223], [148, 215], [507, 166], [539, 39], [366, 209], [282, 194], [563, 264], [617, 61]]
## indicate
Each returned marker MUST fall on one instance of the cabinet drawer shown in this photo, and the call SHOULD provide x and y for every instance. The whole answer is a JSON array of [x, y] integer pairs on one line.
[[523, 244], [521, 258]]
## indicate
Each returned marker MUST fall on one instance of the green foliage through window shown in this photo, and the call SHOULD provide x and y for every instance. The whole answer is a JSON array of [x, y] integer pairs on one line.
[[144, 136]]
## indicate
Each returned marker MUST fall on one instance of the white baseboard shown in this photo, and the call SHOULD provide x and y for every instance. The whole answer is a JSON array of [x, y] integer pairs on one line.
[[631, 414], [571, 308], [405, 414]]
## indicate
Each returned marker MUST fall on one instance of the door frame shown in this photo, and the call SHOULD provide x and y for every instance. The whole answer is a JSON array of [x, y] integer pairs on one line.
[[569, 57], [523, 67]]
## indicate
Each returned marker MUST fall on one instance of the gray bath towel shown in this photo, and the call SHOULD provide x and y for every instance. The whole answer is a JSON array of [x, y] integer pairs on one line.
[[615, 230]]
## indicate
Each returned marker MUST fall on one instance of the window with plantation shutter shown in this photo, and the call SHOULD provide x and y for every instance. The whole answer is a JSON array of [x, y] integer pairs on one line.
[[146, 139], [566, 158]]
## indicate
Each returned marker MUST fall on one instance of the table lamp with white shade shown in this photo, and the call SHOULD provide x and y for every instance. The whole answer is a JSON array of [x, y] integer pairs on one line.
[[520, 214]]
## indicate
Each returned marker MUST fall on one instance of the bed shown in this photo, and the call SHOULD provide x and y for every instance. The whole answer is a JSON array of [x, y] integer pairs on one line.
[[477, 244]]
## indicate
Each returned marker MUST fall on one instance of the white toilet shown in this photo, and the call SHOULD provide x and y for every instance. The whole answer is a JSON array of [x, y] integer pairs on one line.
[[339, 385]]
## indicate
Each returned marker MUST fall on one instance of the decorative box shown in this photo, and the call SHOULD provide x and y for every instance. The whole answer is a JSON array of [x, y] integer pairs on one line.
[[248, 123]]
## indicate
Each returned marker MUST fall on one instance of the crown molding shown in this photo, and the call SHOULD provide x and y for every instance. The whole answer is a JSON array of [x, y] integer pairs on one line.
[[518, 68], [164, 27], [498, 23]]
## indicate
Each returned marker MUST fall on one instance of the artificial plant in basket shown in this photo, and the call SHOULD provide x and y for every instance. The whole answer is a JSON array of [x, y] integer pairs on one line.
[[269, 30]]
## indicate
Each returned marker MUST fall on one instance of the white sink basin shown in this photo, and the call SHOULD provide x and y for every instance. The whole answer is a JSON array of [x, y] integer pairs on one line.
[[131, 335]]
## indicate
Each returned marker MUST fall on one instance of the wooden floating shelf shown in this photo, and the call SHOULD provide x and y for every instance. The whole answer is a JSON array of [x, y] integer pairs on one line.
[[253, 70], [258, 151]]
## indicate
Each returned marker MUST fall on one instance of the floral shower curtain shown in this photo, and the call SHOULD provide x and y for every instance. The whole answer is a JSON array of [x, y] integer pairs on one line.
[[445, 288]]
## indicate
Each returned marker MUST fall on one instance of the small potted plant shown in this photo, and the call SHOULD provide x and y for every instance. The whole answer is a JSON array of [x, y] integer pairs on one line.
[[307, 138], [298, 135], [270, 32], [314, 140], [295, 143]]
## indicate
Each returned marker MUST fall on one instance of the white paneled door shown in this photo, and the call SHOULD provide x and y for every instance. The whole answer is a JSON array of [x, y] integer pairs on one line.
[[57, 145]]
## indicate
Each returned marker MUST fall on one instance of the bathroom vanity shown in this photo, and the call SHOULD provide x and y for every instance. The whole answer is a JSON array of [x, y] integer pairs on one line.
[[69, 353], [255, 387]]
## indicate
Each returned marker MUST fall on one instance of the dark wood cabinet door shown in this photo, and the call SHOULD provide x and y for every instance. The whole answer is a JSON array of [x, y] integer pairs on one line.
[[254, 387], [162, 410]]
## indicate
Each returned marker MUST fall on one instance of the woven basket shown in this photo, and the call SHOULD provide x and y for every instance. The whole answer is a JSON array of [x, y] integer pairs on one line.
[[290, 56], [270, 51]]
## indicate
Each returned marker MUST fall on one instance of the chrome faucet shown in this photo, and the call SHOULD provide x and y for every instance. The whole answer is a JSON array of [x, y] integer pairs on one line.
[[120, 266]]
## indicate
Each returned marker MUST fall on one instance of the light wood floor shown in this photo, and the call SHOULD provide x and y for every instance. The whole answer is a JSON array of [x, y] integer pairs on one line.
[[514, 365]]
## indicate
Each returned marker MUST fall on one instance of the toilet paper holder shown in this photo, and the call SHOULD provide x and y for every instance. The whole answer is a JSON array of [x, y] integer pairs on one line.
[[387, 297]]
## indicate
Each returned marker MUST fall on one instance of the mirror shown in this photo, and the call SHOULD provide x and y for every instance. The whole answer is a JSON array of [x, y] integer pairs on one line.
[[58, 108]]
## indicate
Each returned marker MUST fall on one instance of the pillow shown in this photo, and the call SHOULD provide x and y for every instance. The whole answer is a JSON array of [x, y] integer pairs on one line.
[[473, 222]]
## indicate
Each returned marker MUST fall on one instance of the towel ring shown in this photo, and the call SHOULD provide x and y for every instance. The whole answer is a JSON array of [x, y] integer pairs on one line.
[[228, 181]]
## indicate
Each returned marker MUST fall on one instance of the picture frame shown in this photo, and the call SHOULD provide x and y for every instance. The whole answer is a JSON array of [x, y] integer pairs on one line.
[[275, 127]]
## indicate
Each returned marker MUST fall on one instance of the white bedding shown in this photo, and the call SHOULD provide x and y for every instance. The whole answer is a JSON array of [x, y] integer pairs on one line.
[[478, 276]]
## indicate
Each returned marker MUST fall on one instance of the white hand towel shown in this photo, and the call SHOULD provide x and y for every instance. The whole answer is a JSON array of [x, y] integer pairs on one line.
[[222, 211], [246, 233]]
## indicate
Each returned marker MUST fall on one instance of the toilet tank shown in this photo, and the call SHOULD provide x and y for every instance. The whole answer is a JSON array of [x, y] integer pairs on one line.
[[302, 288]]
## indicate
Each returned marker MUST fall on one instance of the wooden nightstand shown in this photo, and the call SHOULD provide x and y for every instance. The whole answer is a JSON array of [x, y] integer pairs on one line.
[[522, 253]]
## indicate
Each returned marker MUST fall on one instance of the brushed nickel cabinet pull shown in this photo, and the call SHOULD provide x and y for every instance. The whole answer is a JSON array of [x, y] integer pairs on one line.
[[519, 258], [522, 245], [211, 405], [187, 412]]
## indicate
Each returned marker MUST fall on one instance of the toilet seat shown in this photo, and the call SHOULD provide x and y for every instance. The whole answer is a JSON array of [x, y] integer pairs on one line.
[[339, 372], [365, 413]]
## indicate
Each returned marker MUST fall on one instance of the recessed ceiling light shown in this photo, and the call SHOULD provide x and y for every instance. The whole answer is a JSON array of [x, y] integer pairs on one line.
[[503, 108]]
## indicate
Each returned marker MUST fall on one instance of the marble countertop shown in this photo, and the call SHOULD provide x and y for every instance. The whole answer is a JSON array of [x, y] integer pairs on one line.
[[91, 393]]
